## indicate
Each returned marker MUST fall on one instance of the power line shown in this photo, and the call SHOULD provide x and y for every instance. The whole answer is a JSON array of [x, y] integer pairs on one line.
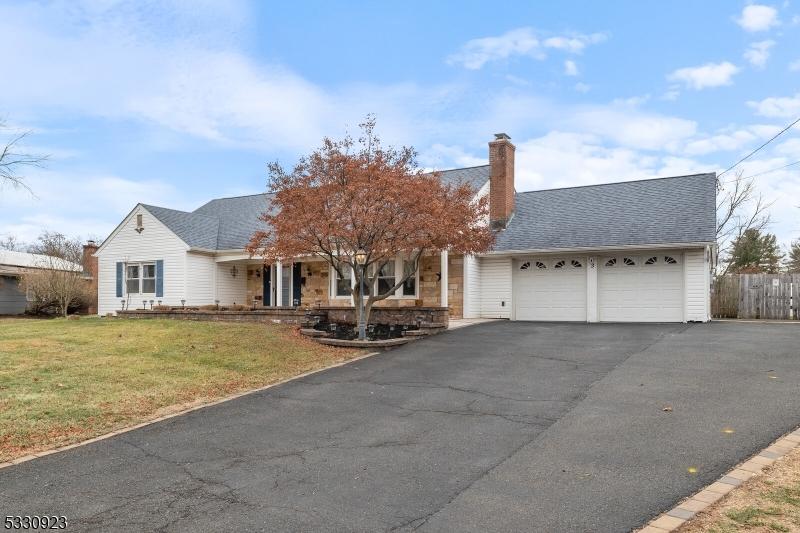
[[751, 154], [761, 173]]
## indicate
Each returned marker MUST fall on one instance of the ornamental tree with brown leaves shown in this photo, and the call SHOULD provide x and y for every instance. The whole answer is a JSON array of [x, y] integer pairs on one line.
[[353, 196]]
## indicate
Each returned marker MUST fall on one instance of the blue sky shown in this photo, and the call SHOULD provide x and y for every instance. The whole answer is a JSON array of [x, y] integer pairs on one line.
[[174, 102]]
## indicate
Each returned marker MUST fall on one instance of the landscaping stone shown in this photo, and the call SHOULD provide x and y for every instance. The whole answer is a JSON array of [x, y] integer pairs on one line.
[[379, 344]]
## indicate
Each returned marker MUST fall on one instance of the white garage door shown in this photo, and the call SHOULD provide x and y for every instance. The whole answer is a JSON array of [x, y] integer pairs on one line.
[[550, 289], [641, 288]]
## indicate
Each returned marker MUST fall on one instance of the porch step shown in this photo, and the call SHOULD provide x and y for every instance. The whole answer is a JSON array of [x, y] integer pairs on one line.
[[309, 332], [416, 333], [432, 325]]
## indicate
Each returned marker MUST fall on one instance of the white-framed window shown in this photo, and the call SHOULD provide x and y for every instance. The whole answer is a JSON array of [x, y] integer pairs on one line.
[[409, 288], [140, 278], [386, 279], [342, 287]]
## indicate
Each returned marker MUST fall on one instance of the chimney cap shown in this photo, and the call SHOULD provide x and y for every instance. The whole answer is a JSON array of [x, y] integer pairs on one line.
[[502, 137], [91, 242]]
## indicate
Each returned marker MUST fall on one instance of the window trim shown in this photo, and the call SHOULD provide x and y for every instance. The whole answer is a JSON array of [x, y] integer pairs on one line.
[[140, 266], [399, 263], [334, 284]]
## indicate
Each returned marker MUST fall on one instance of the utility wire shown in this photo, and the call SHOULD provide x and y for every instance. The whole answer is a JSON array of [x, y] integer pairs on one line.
[[751, 154], [761, 173]]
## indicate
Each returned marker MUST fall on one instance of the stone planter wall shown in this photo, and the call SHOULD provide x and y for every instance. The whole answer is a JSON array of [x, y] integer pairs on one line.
[[410, 316], [283, 315]]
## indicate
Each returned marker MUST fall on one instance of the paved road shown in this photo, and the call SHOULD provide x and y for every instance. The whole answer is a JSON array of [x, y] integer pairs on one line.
[[496, 427]]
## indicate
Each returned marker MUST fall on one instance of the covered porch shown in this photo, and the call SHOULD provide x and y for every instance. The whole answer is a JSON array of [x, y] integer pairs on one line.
[[312, 283]]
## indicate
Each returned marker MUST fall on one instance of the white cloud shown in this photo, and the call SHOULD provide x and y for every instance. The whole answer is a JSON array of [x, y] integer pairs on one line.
[[790, 148], [718, 143], [82, 60], [440, 156], [704, 76], [777, 107], [61, 200], [671, 95], [570, 68], [561, 158], [583, 88], [626, 125], [524, 42], [794, 66], [758, 17], [758, 53], [575, 43]]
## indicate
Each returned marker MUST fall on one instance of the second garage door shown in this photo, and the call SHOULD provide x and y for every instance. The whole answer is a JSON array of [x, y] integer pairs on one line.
[[550, 289], [633, 288]]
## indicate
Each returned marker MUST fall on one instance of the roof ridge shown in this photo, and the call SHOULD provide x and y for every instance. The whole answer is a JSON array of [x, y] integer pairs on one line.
[[150, 206], [619, 182], [239, 196], [462, 168]]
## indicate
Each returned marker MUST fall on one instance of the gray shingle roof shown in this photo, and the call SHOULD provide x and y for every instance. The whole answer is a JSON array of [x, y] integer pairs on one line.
[[680, 209], [238, 218], [476, 177], [195, 229], [228, 223]]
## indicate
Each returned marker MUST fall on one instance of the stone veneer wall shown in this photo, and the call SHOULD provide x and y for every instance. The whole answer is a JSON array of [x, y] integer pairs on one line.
[[283, 315], [314, 292], [411, 316]]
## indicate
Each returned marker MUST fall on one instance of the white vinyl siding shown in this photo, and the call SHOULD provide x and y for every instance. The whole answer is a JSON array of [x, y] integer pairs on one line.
[[495, 287], [697, 285], [231, 290], [472, 287], [199, 279], [155, 242]]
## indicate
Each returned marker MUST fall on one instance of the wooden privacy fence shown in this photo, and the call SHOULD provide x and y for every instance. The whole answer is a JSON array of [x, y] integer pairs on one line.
[[764, 296]]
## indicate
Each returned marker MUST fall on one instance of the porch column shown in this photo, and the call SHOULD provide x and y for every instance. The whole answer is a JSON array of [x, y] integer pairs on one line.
[[444, 281], [278, 283]]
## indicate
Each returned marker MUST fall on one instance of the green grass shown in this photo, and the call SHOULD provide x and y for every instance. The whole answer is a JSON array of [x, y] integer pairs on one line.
[[62, 381]]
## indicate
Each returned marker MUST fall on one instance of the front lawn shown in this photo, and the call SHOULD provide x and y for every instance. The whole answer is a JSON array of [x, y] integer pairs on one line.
[[63, 381]]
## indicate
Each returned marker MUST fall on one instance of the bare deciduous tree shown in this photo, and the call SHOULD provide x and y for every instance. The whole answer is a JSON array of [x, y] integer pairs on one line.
[[56, 281], [740, 207], [12, 161], [11, 243]]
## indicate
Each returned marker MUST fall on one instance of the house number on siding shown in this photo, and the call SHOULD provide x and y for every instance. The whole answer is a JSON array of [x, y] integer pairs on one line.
[[591, 262]]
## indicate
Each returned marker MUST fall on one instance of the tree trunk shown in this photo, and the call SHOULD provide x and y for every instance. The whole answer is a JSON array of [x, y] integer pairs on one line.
[[368, 310]]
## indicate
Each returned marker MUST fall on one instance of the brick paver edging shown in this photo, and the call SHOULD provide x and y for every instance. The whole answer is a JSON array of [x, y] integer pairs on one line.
[[32, 456], [685, 511]]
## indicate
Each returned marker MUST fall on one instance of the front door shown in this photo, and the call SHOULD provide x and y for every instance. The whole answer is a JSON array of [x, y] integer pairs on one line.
[[296, 283]]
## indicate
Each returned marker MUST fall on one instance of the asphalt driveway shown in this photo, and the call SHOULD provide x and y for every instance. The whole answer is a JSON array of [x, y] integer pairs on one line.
[[499, 427]]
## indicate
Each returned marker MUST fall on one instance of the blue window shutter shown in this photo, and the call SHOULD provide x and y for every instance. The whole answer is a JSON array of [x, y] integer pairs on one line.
[[119, 279], [160, 278]]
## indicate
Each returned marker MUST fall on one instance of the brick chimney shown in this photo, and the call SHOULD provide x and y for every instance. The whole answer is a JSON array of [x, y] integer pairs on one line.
[[501, 180], [90, 269]]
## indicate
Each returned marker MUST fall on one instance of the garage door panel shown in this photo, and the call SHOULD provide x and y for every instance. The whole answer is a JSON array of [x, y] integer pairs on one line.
[[549, 293], [640, 292]]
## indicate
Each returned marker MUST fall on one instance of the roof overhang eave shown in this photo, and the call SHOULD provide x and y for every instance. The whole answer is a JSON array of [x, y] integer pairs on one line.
[[668, 245]]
